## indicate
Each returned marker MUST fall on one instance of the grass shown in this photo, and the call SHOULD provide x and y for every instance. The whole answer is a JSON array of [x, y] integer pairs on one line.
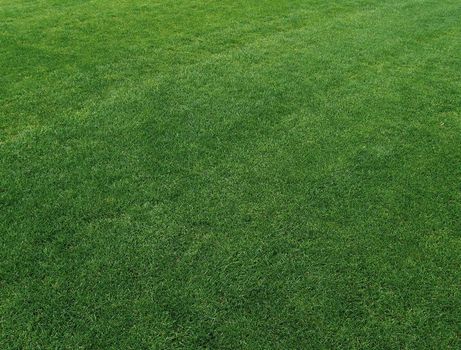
[[258, 174]]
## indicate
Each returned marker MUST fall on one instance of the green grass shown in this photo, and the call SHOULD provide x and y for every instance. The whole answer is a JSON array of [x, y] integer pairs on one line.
[[250, 174]]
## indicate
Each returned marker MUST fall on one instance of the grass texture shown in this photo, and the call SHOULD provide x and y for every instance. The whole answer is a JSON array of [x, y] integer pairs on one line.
[[234, 174]]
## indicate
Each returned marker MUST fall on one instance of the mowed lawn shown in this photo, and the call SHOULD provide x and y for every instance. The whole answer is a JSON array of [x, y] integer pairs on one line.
[[233, 174]]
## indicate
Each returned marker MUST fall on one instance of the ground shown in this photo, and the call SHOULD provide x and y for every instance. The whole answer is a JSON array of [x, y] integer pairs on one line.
[[234, 174]]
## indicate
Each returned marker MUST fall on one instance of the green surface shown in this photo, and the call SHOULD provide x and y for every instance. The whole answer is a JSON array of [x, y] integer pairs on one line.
[[254, 174]]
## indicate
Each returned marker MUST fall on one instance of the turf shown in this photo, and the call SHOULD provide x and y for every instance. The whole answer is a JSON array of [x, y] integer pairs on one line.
[[234, 174]]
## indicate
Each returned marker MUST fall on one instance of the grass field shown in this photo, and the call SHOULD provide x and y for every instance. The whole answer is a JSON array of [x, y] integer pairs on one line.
[[234, 174]]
